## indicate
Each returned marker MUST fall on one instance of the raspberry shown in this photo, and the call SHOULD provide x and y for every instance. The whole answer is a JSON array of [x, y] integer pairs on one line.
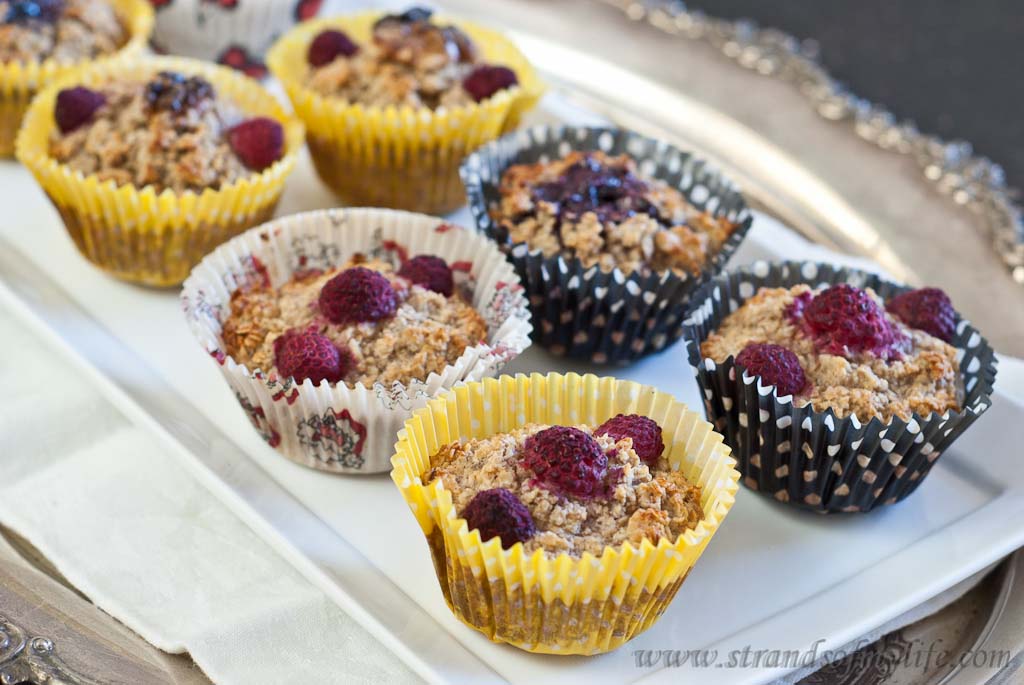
[[927, 309], [430, 272], [75, 107], [776, 366], [846, 320], [485, 81], [307, 354], [174, 92], [499, 513], [646, 435], [23, 11], [328, 45], [567, 460], [356, 295], [258, 142]]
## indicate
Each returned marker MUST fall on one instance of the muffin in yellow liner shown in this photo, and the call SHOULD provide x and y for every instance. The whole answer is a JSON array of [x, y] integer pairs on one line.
[[565, 604], [20, 81], [399, 157], [138, 234]]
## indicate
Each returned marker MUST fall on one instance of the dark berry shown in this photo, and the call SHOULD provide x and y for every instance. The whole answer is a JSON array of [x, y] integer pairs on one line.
[[328, 46], [927, 309], [356, 295], [307, 354], [409, 16], [776, 366], [612, 191], [485, 81], [75, 107], [566, 460], [258, 142], [847, 320], [430, 272], [174, 92], [499, 513], [646, 434], [22, 11]]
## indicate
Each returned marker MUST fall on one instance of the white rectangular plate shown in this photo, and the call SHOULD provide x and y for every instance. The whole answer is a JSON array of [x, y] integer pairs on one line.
[[774, 578]]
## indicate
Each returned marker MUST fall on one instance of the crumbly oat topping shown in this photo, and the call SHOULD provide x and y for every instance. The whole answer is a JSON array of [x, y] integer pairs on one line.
[[82, 29], [427, 332], [408, 63], [600, 209], [924, 375], [645, 503], [139, 137]]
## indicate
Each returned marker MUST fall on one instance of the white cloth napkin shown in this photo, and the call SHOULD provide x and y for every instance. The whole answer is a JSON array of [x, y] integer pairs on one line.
[[147, 543]]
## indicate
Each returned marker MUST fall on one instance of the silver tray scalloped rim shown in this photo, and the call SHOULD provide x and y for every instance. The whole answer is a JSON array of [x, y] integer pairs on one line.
[[814, 459], [587, 313], [337, 427]]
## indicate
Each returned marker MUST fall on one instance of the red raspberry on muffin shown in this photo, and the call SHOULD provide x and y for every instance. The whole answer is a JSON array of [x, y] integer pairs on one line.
[[430, 272], [645, 433], [776, 366], [307, 354], [358, 295], [499, 513], [567, 460], [927, 309]]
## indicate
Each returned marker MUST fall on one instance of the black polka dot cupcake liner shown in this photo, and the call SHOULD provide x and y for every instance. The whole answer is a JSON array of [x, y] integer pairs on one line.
[[814, 459], [586, 313]]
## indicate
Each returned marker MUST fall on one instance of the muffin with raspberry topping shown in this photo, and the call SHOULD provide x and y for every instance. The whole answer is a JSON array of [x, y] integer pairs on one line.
[[43, 40], [562, 512], [331, 326], [837, 396], [152, 164], [611, 232], [393, 101]]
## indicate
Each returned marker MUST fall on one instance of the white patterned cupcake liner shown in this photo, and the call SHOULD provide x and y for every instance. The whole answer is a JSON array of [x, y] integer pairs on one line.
[[586, 313], [814, 459], [337, 427]]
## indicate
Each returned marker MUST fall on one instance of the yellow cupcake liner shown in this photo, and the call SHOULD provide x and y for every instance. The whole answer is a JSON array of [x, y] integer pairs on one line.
[[399, 157], [560, 605], [20, 81], [137, 234]]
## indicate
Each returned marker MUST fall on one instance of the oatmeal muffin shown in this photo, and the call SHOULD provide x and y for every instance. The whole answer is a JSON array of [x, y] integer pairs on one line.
[[562, 512], [171, 132], [839, 348], [153, 163], [363, 322], [837, 396], [609, 230], [331, 326], [600, 209], [521, 486], [43, 40], [394, 101]]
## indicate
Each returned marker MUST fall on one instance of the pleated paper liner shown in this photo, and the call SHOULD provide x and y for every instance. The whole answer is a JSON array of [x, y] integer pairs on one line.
[[812, 459], [137, 234], [21, 81], [336, 427], [559, 605], [399, 157], [586, 313]]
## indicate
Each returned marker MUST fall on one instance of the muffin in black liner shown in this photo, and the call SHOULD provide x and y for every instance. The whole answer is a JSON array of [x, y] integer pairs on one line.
[[586, 313], [811, 459]]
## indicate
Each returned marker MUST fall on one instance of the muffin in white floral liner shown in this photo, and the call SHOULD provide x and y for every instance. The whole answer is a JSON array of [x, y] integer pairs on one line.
[[334, 426]]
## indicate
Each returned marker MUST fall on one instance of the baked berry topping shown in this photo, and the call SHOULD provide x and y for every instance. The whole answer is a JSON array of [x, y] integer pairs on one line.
[[646, 434], [499, 513], [568, 461], [24, 11], [357, 295], [75, 107], [613, 192], [258, 142], [409, 16], [776, 366], [927, 309], [307, 354], [847, 320], [430, 272], [174, 92], [486, 80], [328, 46]]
